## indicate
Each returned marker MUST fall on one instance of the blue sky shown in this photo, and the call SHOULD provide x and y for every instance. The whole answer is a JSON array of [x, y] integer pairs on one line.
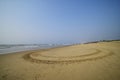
[[58, 21]]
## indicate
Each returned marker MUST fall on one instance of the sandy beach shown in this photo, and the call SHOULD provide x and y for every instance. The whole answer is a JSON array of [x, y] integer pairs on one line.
[[93, 61]]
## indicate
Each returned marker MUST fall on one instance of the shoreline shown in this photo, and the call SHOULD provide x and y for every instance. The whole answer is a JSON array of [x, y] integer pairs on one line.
[[58, 46], [55, 47]]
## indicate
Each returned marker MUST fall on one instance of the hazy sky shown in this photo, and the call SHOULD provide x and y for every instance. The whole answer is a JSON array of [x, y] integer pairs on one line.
[[58, 21]]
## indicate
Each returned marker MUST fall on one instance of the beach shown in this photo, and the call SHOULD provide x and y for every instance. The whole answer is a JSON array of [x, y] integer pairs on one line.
[[92, 61]]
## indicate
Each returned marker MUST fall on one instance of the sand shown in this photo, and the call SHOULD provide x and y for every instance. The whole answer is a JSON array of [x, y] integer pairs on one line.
[[93, 61]]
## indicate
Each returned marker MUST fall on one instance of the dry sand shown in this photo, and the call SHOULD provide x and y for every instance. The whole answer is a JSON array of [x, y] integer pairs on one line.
[[94, 61]]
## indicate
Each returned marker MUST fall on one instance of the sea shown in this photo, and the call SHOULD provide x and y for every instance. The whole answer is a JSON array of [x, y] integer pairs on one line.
[[10, 48]]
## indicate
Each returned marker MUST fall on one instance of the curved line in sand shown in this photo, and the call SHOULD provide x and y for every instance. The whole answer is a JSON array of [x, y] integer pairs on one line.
[[99, 54]]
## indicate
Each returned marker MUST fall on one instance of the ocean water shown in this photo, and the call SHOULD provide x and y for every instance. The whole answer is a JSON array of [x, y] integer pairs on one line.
[[5, 49]]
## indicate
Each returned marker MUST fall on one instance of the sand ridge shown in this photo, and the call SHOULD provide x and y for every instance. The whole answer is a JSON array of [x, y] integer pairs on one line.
[[69, 54]]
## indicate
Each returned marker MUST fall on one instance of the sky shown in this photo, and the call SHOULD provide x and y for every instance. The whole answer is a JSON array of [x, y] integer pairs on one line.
[[58, 21]]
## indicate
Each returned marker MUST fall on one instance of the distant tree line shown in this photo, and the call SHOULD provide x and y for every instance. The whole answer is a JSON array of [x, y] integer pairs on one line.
[[102, 41]]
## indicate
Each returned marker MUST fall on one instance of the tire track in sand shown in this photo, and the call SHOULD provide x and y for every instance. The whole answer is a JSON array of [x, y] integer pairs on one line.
[[39, 58]]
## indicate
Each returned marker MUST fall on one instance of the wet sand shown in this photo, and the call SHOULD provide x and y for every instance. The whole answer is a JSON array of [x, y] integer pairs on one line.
[[93, 61]]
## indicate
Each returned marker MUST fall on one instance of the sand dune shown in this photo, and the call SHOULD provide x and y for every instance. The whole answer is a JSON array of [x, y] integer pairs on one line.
[[93, 61]]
